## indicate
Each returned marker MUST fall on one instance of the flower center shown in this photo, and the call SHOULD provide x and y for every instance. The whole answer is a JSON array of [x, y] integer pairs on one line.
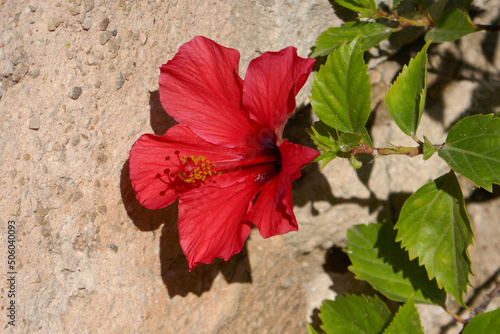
[[195, 169], [189, 171]]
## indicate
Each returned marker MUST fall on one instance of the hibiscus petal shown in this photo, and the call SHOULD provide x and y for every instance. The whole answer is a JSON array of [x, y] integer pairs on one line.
[[212, 222], [273, 210], [271, 83], [272, 214], [200, 88], [148, 159]]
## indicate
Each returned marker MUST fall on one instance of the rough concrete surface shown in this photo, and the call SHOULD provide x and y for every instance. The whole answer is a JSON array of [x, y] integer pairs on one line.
[[79, 84]]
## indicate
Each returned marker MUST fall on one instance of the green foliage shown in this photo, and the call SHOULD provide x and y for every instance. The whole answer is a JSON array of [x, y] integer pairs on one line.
[[321, 134], [405, 98], [428, 148], [348, 141], [484, 323], [434, 226], [360, 6], [435, 8], [372, 33], [406, 321], [452, 25], [378, 259], [354, 314], [472, 149], [311, 330], [341, 90], [396, 3], [466, 3], [426, 255]]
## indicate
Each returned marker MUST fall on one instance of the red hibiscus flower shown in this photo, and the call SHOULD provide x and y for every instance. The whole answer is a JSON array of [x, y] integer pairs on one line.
[[226, 150]]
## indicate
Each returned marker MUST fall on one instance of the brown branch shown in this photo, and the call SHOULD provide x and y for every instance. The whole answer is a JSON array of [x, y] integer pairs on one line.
[[454, 315]]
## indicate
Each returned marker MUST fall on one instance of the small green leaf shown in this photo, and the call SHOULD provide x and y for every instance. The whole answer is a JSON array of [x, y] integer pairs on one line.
[[311, 330], [366, 139], [452, 25], [378, 259], [327, 145], [434, 226], [325, 158], [355, 163], [348, 141], [484, 323], [341, 90], [466, 3], [372, 33], [324, 143], [405, 98], [358, 5], [435, 8], [396, 3], [472, 149], [354, 314], [429, 149], [406, 321]]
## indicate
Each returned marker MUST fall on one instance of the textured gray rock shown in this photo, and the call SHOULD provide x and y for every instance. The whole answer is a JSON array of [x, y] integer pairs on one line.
[[88, 250]]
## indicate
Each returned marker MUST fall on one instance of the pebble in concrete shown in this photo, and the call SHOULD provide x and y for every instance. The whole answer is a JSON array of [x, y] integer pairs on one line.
[[54, 22], [119, 80], [104, 23], [87, 23], [34, 123], [75, 92]]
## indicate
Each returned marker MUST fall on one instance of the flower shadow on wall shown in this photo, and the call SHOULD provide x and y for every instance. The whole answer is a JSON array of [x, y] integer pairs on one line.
[[174, 268]]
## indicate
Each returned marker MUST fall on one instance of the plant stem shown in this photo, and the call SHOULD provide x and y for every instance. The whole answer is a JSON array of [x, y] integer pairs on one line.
[[398, 150], [454, 315], [487, 27], [403, 21], [376, 152]]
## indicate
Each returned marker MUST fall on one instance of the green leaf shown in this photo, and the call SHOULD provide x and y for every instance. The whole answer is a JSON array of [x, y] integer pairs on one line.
[[324, 143], [311, 330], [406, 321], [372, 33], [358, 5], [434, 226], [378, 259], [472, 149], [484, 323], [341, 90], [325, 158], [354, 314], [366, 139], [466, 3], [355, 163], [452, 25], [328, 146], [435, 8], [396, 3], [429, 149], [405, 98], [348, 141]]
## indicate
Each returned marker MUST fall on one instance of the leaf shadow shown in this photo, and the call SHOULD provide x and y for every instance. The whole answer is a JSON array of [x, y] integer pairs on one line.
[[391, 252], [485, 97], [479, 291]]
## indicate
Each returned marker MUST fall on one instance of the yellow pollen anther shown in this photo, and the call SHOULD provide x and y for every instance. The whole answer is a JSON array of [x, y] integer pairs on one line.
[[195, 169]]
